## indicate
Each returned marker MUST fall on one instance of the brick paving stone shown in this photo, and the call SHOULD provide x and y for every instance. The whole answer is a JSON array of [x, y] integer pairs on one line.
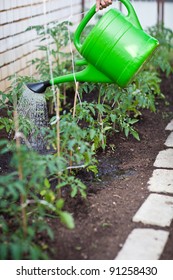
[[169, 126], [161, 181], [156, 210], [164, 159], [143, 244], [169, 140]]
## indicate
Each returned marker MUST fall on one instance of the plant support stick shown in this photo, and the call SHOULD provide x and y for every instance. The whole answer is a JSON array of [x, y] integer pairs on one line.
[[74, 112], [20, 171], [58, 130]]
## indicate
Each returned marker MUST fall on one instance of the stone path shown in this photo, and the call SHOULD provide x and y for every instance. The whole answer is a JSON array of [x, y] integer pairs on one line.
[[156, 211]]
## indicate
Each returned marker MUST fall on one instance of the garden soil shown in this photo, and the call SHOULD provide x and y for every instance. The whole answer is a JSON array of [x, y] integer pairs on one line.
[[103, 221]]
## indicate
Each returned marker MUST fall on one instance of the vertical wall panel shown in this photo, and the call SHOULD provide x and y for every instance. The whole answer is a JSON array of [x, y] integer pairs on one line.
[[18, 46]]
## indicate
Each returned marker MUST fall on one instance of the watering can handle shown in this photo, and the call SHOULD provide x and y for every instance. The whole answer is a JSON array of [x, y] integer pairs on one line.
[[132, 17]]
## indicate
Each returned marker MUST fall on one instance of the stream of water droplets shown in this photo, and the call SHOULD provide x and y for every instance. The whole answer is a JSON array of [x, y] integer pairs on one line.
[[32, 106]]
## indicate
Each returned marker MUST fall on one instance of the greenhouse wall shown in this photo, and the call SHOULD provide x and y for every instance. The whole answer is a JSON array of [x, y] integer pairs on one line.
[[18, 46]]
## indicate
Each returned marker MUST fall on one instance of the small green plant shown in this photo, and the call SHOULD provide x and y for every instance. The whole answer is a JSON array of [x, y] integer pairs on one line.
[[54, 62], [7, 104], [28, 189], [163, 58]]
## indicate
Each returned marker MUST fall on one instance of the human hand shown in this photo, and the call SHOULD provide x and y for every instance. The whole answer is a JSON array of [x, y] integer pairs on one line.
[[100, 4]]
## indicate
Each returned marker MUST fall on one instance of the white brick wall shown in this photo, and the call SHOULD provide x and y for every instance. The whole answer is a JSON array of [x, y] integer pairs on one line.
[[18, 46]]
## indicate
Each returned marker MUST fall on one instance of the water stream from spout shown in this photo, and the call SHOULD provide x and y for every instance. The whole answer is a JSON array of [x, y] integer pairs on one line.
[[32, 106]]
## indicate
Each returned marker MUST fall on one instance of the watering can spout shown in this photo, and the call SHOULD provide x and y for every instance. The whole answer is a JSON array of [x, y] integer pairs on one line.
[[89, 74], [38, 87]]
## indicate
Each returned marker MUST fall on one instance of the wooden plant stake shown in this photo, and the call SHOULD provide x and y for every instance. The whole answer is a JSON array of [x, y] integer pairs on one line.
[[75, 98], [65, 96], [58, 131], [74, 113], [58, 119], [20, 171], [100, 120]]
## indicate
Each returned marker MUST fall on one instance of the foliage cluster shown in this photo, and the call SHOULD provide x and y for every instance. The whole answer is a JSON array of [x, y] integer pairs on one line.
[[32, 190]]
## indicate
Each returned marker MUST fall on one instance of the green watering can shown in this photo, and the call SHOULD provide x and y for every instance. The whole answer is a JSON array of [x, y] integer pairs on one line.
[[113, 52]]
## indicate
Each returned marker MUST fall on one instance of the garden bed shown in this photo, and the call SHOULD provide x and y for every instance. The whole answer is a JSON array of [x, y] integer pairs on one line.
[[104, 220], [53, 189]]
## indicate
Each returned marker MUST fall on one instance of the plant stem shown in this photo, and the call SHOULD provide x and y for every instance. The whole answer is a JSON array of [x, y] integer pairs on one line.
[[101, 124]]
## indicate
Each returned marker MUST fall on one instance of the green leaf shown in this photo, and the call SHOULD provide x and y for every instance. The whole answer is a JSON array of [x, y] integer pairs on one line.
[[60, 204], [67, 219], [43, 192], [1, 192], [113, 117], [83, 193], [2, 126], [3, 251], [92, 110], [92, 133], [46, 183], [107, 128], [133, 121], [16, 251], [35, 252], [135, 135], [93, 168], [74, 191], [126, 130]]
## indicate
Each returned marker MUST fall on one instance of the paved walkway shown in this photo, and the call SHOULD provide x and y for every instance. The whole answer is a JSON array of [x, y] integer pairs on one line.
[[156, 211]]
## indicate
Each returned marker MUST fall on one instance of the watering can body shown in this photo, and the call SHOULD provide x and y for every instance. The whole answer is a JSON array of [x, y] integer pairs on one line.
[[116, 46], [113, 52]]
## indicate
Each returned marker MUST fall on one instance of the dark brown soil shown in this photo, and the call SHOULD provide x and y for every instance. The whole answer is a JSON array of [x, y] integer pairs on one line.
[[104, 220]]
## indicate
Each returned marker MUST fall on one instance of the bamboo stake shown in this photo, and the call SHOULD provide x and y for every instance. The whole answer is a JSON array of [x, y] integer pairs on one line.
[[74, 113], [65, 97], [100, 120], [58, 131], [57, 122], [75, 98], [20, 171]]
